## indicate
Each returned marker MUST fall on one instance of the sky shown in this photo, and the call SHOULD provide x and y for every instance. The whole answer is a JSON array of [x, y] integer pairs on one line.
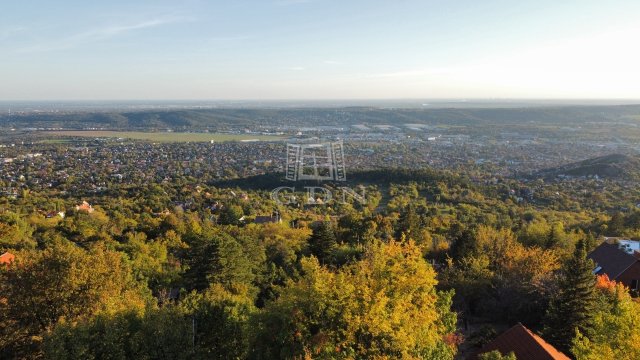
[[319, 49]]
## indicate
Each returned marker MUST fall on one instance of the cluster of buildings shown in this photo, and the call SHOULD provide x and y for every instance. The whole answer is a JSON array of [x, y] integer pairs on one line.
[[487, 156], [94, 167]]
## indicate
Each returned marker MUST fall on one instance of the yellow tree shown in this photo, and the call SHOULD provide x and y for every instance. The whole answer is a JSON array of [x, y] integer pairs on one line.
[[61, 283], [384, 306], [396, 311]]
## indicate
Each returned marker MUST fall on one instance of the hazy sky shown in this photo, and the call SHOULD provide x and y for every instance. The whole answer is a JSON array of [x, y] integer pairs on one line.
[[319, 49]]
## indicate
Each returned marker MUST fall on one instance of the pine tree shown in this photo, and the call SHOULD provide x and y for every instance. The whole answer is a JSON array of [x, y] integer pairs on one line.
[[464, 242], [552, 238], [590, 242], [202, 261], [574, 305], [231, 215], [323, 242], [409, 222], [215, 257], [616, 224]]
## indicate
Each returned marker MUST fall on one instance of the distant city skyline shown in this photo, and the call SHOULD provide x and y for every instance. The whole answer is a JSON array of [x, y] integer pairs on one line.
[[319, 49]]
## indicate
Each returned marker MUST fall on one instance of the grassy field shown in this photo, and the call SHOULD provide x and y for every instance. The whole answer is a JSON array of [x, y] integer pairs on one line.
[[54, 136]]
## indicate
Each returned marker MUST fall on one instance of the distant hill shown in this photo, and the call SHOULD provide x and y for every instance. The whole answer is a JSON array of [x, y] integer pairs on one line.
[[345, 116], [613, 166]]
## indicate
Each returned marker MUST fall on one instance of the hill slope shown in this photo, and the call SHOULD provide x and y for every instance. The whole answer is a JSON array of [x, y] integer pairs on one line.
[[613, 166], [221, 118]]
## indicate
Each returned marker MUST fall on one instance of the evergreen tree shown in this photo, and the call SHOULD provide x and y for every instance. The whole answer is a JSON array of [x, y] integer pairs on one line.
[[552, 238], [323, 242], [616, 224], [202, 261], [231, 215], [215, 257], [409, 222], [463, 242], [574, 306], [590, 242], [616, 334]]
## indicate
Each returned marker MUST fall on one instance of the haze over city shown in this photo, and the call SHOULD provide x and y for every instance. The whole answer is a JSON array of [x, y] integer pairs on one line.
[[319, 49]]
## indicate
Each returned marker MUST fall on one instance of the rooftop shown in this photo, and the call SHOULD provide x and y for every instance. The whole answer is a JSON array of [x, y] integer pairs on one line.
[[611, 260], [525, 345]]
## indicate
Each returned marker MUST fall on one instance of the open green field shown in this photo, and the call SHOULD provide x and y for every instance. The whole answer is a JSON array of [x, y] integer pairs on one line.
[[54, 136]]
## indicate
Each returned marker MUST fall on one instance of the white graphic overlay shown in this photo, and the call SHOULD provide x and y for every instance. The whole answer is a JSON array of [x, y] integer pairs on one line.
[[322, 162]]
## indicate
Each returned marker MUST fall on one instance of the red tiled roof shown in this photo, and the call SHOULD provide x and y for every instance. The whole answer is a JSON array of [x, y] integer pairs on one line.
[[612, 260], [524, 344], [7, 258]]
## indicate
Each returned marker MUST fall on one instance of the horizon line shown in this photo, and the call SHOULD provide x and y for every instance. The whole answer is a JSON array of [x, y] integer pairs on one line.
[[461, 99]]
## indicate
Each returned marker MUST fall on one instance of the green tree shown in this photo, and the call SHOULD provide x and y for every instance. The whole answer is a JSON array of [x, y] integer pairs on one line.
[[574, 306], [409, 222], [323, 242], [220, 318], [616, 330], [496, 355], [209, 325], [215, 257], [616, 224], [463, 240], [231, 215], [149, 260], [15, 232]]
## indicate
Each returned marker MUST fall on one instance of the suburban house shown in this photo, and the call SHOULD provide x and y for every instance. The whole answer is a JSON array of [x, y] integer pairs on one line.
[[52, 214], [274, 218], [523, 343], [619, 260], [85, 206]]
